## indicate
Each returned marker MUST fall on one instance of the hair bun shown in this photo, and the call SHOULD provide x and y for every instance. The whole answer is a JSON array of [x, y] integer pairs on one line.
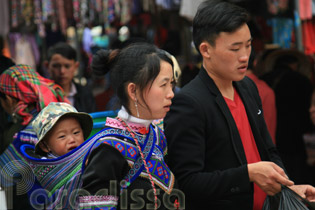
[[101, 62]]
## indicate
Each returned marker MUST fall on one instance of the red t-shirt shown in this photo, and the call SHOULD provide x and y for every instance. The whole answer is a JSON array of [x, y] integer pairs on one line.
[[252, 155]]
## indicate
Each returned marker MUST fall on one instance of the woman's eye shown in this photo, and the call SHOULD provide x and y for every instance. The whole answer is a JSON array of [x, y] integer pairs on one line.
[[235, 50]]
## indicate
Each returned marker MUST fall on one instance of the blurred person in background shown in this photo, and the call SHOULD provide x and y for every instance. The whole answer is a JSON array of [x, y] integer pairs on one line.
[[267, 95], [62, 66]]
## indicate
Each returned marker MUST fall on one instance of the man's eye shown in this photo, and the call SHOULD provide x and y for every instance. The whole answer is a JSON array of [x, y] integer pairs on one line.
[[235, 50]]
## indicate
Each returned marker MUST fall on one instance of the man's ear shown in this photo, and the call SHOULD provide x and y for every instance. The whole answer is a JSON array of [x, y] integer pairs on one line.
[[131, 89], [43, 147], [77, 65], [76, 68], [205, 49]]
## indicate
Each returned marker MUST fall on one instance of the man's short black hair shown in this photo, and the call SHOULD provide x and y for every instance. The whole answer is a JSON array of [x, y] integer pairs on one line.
[[214, 17], [63, 49]]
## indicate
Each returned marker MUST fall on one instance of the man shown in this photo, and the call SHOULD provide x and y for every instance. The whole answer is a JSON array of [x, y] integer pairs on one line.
[[219, 147], [62, 66]]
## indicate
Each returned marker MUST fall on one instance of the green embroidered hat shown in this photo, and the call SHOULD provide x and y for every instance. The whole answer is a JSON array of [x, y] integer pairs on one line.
[[49, 116]]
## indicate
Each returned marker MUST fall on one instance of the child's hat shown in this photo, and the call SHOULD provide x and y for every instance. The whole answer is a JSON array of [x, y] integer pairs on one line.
[[48, 117]]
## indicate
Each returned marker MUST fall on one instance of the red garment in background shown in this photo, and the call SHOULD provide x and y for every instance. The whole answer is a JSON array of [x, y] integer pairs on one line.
[[252, 155], [268, 100], [308, 29], [305, 7]]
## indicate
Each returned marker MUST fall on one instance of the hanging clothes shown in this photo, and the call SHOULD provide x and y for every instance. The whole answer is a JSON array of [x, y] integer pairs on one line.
[[308, 29], [38, 19], [126, 15], [24, 53], [4, 17], [48, 9], [15, 13], [62, 16], [147, 6], [277, 6], [27, 10], [305, 7], [76, 10], [188, 8], [282, 29]]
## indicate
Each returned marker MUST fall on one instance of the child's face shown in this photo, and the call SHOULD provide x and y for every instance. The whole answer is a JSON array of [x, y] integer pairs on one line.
[[65, 136]]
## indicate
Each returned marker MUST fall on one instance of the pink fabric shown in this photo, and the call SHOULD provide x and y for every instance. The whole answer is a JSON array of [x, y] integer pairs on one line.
[[305, 7]]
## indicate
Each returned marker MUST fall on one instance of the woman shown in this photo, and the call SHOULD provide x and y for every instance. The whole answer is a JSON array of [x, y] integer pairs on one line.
[[23, 93], [128, 158]]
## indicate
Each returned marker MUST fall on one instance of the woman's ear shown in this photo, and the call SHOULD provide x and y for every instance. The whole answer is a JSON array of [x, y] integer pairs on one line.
[[131, 89]]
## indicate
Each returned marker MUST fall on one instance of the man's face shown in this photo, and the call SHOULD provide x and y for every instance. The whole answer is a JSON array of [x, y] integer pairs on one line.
[[62, 70], [228, 59]]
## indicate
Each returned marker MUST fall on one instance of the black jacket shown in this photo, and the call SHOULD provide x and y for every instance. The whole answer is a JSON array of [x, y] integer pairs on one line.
[[84, 100], [206, 153]]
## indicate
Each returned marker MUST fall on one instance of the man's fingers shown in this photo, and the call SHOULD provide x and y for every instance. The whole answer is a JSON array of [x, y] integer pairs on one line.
[[280, 170], [283, 180]]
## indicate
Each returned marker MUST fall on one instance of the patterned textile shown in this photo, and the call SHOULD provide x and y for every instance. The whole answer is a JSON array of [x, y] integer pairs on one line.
[[102, 202], [26, 85], [58, 180], [152, 144], [161, 174]]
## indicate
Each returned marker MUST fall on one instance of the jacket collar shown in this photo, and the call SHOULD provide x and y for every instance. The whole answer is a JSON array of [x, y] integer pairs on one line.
[[234, 134]]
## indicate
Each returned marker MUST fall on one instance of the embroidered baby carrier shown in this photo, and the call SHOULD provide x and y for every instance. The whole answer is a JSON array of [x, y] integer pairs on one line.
[[55, 183], [56, 180], [153, 146]]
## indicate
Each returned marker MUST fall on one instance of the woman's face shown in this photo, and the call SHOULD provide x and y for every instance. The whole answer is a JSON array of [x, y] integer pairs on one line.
[[159, 96], [7, 104]]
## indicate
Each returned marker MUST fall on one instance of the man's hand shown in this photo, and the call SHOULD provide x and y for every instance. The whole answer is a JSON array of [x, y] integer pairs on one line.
[[268, 176], [305, 191]]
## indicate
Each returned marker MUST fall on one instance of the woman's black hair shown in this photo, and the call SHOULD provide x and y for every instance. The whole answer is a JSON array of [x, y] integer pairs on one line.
[[138, 63]]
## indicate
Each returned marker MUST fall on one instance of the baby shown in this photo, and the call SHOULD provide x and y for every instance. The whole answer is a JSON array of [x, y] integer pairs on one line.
[[60, 128]]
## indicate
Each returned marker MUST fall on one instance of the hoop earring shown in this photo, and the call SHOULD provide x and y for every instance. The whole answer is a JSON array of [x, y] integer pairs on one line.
[[136, 105]]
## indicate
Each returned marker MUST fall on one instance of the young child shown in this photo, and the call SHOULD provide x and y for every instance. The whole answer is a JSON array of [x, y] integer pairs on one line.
[[60, 128]]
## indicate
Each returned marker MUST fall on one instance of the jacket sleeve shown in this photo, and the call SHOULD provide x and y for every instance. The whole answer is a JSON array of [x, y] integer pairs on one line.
[[186, 132]]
